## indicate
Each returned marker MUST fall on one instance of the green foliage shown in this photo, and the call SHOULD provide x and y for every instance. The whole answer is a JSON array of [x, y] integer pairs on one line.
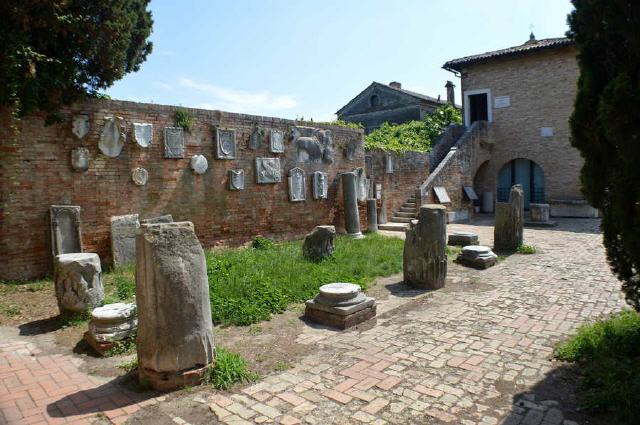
[[607, 352], [229, 368], [53, 53], [74, 319], [413, 135], [604, 126], [247, 286], [126, 346], [526, 249], [129, 366], [183, 119], [120, 285], [260, 242], [11, 310]]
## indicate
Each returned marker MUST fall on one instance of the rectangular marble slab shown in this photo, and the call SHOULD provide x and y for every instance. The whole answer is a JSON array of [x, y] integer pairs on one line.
[[471, 194], [268, 170], [66, 237], [173, 142], [442, 195]]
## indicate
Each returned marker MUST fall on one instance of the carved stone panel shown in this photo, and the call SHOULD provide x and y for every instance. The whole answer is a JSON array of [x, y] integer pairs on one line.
[[388, 164], [225, 143], [362, 184], [350, 150], [199, 164], [255, 140], [236, 179], [313, 145], [297, 185], [276, 141], [80, 159], [320, 185], [143, 134], [268, 170], [113, 136], [123, 239], [173, 142], [140, 176], [65, 229], [80, 126]]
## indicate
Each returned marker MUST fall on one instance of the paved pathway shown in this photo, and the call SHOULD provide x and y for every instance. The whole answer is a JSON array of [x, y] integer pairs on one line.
[[476, 352]]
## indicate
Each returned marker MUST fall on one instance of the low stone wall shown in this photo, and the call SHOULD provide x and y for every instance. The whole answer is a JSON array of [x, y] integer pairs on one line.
[[36, 172]]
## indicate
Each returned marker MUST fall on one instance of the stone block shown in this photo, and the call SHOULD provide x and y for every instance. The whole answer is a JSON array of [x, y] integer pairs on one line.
[[509, 221], [463, 239], [167, 218], [319, 243], [66, 237], [477, 256], [425, 256], [175, 343], [340, 305], [78, 284], [340, 322], [123, 239]]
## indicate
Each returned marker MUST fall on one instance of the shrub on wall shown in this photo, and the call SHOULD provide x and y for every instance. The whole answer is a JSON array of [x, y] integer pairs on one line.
[[413, 135]]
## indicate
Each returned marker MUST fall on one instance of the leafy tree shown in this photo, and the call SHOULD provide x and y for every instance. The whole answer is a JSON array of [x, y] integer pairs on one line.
[[54, 52], [413, 135], [605, 126]]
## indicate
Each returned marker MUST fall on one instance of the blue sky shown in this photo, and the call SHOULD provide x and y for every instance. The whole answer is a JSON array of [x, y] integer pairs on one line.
[[303, 58]]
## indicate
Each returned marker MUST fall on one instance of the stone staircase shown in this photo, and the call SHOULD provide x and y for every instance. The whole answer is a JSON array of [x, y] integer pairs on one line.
[[401, 218]]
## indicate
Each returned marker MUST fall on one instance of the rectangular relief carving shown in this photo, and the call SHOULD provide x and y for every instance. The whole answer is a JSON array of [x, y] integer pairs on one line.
[[66, 237], [320, 185], [268, 170], [236, 179], [173, 142], [225, 143], [297, 185], [276, 141]]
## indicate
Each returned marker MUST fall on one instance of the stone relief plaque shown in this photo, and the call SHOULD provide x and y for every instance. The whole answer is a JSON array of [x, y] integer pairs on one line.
[[255, 140], [442, 195], [123, 239], [312, 144], [362, 184], [143, 134], [173, 142], [199, 164], [225, 143], [236, 179], [268, 170], [66, 237], [276, 141], [80, 126], [320, 185], [388, 164], [350, 150], [113, 136], [80, 159], [297, 185], [140, 176]]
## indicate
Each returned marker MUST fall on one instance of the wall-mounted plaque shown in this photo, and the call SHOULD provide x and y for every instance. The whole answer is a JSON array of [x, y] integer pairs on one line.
[[140, 176], [501, 102], [320, 185], [442, 195], [276, 141], [199, 164], [80, 126], [388, 164], [236, 179], [173, 142], [546, 131], [80, 159], [471, 194], [65, 229], [143, 134], [268, 170], [350, 150], [113, 136], [297, 185], [255, 140], [225, 143]]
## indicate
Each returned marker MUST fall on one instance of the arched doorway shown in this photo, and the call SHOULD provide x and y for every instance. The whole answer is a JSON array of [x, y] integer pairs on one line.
[[524, 172]]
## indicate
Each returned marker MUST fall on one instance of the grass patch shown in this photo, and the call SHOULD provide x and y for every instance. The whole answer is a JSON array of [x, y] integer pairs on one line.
[[120, 285], [608, 352], [70, 320], [129, 366], [126, 346], [453, 252], [248, 286], [229, 369], [526, 249]]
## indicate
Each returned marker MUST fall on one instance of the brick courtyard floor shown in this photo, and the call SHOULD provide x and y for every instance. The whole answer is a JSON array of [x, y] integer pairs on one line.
[[476, 352]]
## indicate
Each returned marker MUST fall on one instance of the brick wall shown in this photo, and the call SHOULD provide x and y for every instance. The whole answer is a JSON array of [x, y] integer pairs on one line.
[[35, 172], [542, 89]]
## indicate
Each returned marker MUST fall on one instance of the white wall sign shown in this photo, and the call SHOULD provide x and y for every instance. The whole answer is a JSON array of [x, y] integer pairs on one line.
[[501, 102], [546, 131]]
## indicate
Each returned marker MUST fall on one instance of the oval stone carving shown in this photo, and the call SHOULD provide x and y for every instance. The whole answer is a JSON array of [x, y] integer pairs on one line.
[[80, 126], [80, 159], [113, 136], [140, 176], [143, 134], [199, 164]]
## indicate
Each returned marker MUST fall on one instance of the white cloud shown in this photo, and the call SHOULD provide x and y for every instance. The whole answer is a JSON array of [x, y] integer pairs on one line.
[[238, 100], [161, 85]]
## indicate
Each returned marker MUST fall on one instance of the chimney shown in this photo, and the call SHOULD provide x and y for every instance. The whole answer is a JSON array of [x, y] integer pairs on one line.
[[450, 93], [395, 85]]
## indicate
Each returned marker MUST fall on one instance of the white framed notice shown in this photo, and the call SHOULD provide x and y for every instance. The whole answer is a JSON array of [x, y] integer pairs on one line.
[[501, 102]]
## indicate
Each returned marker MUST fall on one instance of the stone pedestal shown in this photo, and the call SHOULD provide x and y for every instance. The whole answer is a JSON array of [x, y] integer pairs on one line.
[[477, 256], [508, 230], [425, 256], [175, 331], [372, 215], [78, 282], [463, 239], [539, 216], [340, 305], [319, 243], [109, 324], [350, 194]]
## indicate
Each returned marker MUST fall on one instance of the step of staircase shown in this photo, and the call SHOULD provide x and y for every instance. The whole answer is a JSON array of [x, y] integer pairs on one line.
[[394, 227], [411, 210], [411, 214], [402, 219]]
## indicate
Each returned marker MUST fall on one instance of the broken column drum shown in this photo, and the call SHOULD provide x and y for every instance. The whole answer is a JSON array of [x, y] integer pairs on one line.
[[110, 324], [350, 194], [78, 282], [319, 243], [175, 332], [477, 256], [372, 215], [509, 226], [463, 239], [425, 256]]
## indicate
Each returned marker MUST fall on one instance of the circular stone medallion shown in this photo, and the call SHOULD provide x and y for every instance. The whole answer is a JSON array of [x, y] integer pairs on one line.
[[199, 164], [339, 291], [140, 176]]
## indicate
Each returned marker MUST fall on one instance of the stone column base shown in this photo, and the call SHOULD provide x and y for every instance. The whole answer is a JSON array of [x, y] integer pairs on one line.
[[339, 321], [167, 381]]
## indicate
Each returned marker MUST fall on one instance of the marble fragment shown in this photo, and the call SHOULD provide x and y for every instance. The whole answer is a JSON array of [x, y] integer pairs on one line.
[[199, 164], [113, 136], [78, 285]]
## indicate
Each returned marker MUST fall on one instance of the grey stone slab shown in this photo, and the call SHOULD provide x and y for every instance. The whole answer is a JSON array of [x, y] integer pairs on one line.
[[173, 142], [255, 140], [80, 158], [236, 179], [471, 194], [143, 134], [442, 195], [113, 136], [297, 185], [268, 170], [80, 126], [424, 255], [509, 221], [166, 218], [225, 143], [320, 185], [78, 284], [276, 141], [341, 311], [123, 239], [339, 291], [463, 239], [66, 234], [350, 150]]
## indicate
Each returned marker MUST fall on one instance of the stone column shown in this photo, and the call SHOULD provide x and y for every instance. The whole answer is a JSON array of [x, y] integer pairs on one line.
[[175, 331], [425, 248], [509, 226], [372, 215], [351, 215]]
